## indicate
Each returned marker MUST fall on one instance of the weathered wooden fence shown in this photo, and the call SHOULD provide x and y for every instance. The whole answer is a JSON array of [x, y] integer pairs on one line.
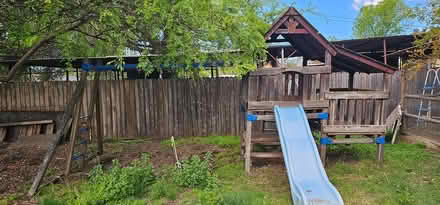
[[161, 108], [144, 108]]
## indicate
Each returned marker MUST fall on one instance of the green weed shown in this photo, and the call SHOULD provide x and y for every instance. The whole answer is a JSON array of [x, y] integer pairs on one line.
[[164, 188], [196, 173]]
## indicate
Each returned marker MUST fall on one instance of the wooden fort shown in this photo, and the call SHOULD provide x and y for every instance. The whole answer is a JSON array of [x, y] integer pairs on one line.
[[356, 114]]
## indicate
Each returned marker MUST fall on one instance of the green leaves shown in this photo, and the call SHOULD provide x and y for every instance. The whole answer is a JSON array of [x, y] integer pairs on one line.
[[196, 173], [388, 17]]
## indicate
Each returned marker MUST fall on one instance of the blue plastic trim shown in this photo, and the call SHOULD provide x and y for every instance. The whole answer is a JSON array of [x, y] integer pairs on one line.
[[326, 140], [323, 115], [251, 117], [380, 140], [83, 129]]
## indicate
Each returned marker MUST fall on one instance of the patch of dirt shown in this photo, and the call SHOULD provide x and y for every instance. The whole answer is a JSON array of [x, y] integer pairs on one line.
[[161, 154], [19, 164]]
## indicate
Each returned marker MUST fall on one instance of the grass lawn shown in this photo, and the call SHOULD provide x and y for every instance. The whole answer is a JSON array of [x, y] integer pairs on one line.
[[410, 175]]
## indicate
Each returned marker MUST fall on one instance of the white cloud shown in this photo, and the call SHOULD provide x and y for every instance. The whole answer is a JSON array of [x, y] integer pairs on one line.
[[358, 4]]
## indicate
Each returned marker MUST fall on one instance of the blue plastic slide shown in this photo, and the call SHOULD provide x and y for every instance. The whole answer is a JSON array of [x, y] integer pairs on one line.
[[309, 183]]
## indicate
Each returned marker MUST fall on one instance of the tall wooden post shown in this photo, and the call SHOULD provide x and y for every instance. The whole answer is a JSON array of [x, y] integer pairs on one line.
[[325, 79], [403, 93]]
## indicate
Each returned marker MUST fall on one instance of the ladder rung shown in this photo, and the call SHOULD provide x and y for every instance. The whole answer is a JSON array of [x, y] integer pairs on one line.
[[424, 109]]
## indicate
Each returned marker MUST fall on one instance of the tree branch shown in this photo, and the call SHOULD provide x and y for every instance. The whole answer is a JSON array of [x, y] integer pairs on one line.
[[86, 18]]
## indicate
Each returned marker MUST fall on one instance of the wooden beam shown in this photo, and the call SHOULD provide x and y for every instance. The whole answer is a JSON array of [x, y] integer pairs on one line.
[[354, 129], [357, 95], [365, 60], [309, 70], [267, 154], [421, 97], [315, 104], [61, 131], [271, 118], [72, 138], [363, 140], [266, 71], [268, 105], [41, 122], [421, 118], [296, 31]]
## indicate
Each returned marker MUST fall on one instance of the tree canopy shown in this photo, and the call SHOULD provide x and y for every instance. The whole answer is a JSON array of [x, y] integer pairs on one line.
[[427, 43], [388, 17], [178, 31]]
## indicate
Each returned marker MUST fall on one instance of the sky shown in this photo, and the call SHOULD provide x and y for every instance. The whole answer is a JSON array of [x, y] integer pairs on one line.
[[336, 17]]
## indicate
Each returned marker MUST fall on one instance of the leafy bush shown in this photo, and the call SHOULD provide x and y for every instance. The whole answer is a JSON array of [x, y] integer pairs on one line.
[[164, 188], [121, 183], [119, 186], [196, 173]]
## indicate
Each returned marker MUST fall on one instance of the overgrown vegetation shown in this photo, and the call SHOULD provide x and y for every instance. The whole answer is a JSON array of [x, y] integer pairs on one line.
[[118, 186], [410, 175], [196, 173]]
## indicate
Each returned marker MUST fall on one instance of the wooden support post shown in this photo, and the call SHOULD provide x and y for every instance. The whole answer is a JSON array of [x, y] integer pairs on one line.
[[385, 57], [323, 147], [379, 153], [248, 147], [387, 81], [73, 134], [403, 93], [326, 79], [63, 123], [93, 103]]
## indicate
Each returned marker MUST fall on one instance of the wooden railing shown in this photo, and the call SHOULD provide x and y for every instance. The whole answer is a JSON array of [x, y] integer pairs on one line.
[[356, 112]]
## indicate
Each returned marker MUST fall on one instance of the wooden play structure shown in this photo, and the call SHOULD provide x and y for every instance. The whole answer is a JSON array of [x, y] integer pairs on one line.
[[356, 114]]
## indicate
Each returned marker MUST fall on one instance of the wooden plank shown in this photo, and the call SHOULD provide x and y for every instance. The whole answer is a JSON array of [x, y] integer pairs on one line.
[[3, 132], [378, 112], [342, 110], [62, 129], [354, 141], [148, 102], [307, 87], [309, 70], [354, 129], [268, 105], [351, 95], [332, 112], [267, 155], [266, 72], [421, 97], [114, 107], [137, 105], [72, 137], [248, 147], [421, 118], [351, 111], [49, 129], [358, 110], [9, 124], [108, 109]]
